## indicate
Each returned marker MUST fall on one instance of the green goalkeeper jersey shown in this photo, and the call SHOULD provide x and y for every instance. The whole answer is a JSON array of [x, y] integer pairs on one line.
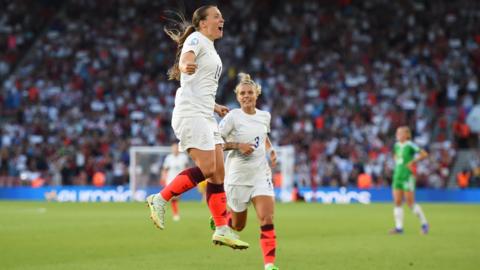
[[404, 153]]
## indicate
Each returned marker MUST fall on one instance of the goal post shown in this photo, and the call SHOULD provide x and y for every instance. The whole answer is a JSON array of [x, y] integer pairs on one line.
[[146, 166], [286, 160]]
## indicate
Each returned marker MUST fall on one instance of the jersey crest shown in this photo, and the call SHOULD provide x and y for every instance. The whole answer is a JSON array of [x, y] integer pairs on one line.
[[193, 42]]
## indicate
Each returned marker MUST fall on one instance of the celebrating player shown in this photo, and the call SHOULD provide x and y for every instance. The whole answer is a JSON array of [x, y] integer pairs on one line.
[[248, 175], [198, 67], [406, 154]]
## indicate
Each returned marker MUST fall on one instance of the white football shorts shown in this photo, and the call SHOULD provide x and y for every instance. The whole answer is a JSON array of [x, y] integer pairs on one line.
[[239, 196], [196, 132]]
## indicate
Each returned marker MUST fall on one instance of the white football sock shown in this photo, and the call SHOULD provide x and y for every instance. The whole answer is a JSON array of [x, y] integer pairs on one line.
[[222, 229], [417, 210], [398, 215]]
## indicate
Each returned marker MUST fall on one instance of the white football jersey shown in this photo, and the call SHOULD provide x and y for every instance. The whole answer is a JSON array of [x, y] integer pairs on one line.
[[175, 164], [238, 126], [196, 95]]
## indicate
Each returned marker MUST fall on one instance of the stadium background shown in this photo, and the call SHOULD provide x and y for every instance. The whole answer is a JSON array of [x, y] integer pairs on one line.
[[81, 81]]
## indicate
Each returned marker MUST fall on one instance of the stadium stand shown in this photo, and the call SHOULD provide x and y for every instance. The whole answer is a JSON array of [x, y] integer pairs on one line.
[[338, 77]]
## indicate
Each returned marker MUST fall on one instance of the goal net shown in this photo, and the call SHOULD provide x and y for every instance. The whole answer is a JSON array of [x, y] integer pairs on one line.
[[146, 164], [286, 167]]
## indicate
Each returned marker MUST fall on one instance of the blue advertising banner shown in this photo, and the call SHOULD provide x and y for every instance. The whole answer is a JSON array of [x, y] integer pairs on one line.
[[324, 195], [345, 196], [84, 194]]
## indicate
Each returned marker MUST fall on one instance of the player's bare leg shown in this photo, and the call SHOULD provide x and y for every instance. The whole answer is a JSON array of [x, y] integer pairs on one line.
[[264, 206], [238, 220], [175, 209], [417, 210], [217, 203], [397, 211], [186, 180]]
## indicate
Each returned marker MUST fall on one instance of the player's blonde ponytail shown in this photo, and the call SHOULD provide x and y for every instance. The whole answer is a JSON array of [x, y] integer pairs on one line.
[[247, 79]]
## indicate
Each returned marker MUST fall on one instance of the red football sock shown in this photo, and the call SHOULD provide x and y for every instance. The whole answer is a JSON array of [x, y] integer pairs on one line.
[[174, 203], [184, 181], [217, 203], [268, 243]]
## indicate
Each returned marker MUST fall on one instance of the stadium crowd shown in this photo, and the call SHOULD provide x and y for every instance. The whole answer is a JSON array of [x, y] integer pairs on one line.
[[338, 78], [20, 23]]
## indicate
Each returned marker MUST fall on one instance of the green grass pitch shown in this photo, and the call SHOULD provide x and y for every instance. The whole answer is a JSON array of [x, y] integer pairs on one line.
[[71, 236]]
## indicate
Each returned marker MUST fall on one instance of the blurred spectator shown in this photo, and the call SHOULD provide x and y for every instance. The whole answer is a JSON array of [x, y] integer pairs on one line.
[[364, 181], [475, 168], [463, 178], [20, 23], [99, 179], [462, 133]]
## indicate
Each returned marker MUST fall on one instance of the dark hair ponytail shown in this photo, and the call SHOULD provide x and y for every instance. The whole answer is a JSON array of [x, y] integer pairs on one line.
[[180, 33]]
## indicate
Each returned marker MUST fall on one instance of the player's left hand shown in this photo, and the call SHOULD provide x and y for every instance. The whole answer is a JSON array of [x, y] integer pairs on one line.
[[273, 158], [220, 110], [411, 166], [246, 148]]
